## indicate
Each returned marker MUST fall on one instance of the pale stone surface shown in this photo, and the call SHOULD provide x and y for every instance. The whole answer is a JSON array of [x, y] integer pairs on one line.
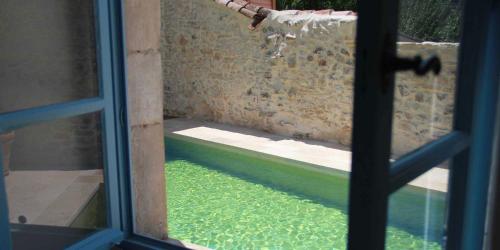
[[149, 180], [292, 76], [145, 85], [319, 154], [315, 152], [50, 197], [145, 90], [69, 204], [142, 20]]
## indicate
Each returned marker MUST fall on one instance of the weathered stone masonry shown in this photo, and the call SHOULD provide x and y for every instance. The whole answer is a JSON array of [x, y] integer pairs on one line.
[[292, 76]]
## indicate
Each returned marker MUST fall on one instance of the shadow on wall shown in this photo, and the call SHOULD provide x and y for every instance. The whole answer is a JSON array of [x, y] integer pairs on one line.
[[47, 55], [69, 144]]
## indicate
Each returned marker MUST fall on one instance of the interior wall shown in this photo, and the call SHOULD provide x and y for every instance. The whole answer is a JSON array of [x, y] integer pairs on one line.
[[48, 56]]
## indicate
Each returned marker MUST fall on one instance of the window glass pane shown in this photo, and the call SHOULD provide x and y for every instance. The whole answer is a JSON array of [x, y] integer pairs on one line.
[[417, 212], [47, 47], [54, 181], [295, 83], [281, 94], [423, 105]]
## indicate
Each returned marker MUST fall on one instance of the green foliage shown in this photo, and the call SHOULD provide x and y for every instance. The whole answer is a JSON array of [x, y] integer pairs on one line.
[[429, 20], [317, 4]]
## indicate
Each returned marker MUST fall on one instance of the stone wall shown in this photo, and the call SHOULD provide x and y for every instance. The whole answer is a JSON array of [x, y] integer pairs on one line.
[[291, 76], [423, 108]]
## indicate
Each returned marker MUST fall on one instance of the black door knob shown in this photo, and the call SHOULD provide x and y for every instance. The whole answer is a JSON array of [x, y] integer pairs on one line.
[[417, 64]]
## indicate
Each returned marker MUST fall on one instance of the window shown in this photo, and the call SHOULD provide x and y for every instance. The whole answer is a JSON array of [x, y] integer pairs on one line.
[[59, 124], [109, 137]]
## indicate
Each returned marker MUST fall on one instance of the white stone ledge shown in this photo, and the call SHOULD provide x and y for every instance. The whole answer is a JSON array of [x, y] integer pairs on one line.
[[324, 154], [291, 18]]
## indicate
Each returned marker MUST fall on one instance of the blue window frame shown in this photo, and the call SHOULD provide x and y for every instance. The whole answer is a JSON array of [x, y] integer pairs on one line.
[[469, 146], [373, 178], [112, 105]]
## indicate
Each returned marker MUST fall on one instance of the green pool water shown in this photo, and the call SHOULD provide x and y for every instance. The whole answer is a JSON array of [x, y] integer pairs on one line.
[[224, 198]]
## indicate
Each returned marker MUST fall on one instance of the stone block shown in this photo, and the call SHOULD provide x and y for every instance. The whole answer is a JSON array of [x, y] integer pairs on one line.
[[148, 178], [145, 88], [142, 24]]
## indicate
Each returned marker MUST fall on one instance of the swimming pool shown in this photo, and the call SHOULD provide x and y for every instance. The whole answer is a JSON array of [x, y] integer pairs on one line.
[[223, 197]]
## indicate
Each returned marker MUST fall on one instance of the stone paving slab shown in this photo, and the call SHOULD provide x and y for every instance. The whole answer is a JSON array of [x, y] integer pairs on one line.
[[50, 197], [324, 154]]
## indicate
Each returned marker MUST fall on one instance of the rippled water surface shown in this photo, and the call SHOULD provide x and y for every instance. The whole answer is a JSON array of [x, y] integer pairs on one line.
[[218, 210]]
